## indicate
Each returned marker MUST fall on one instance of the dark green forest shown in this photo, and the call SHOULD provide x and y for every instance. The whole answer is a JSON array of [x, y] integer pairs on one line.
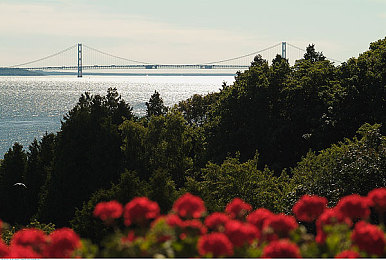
[[276, 133]]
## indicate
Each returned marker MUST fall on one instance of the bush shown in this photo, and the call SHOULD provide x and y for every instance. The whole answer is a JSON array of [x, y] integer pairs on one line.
[[218, 184], [356, 166]]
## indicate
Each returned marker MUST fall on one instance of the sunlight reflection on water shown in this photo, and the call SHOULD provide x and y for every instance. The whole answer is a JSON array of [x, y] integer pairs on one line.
[[31, 106]]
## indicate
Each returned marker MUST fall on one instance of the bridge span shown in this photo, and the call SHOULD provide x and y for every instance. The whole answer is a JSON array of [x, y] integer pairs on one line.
[[81, 57]]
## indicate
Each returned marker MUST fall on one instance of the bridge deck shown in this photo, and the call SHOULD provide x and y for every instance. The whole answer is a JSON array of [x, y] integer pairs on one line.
[[154, 66]]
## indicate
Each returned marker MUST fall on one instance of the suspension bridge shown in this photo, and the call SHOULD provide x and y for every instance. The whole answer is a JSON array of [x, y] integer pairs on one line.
[[80, 57]]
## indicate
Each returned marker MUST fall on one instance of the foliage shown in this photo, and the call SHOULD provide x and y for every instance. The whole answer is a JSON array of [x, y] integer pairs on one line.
[[356, 166], [13, 192], [218, 184], [163, 143], [128, 187], [155, 106], [87, 154], [9, 231], [284, 111], [196, 108]]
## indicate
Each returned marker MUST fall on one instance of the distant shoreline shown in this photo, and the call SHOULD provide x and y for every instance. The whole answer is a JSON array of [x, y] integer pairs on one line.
[[21, 72]]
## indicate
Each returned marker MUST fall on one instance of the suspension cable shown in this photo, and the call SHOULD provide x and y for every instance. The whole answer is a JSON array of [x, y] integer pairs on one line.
[[243, 56], [44, 58], [331, 59], [105, 53]]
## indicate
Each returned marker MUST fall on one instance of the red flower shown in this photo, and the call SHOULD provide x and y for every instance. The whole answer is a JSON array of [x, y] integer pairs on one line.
[[354, 206], [240, 233], [348, 254], [62, 243], [4, 250], [369, 238], [237, 208], [107, 211], [129, 238], [281, 249], [140, 210], [189, 205], [31, 237], [216, 221], [281, 224], [309, 208], [17, 251], [258, 217], [174, 220], [216, 244], [193, 227], [377, 199], [329, 217]]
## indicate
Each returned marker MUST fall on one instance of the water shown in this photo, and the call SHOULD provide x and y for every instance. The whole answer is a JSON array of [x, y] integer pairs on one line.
[[32, 106]]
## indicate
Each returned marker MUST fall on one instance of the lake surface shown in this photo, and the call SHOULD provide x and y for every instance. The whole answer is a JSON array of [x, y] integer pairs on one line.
[[31, 106]]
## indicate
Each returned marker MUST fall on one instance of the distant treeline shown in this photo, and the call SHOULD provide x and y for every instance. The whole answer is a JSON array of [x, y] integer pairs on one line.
[[276, 133]]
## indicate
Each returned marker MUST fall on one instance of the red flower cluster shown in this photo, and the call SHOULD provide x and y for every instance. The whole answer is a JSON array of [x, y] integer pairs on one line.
[[140, 210], [258, 217], [369, 238], [281, 224], [309, 208], [189, 206], [215, 244], [61, 243], [193, 227], [216, 221], [329, 217], [240, 233], [174, 220], [281, 249], [108, 211], [234, 231], [16, 251], [4, 251], [348, 254], [377, 199], [354, 207], [237, 208], [34, 238], [33, 243]]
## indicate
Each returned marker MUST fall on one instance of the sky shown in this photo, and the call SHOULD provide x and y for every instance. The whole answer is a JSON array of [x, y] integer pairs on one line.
[[182, 31]]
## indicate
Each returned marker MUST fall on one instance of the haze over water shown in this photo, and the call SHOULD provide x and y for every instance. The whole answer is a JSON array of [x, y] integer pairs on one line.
[[31, 106]]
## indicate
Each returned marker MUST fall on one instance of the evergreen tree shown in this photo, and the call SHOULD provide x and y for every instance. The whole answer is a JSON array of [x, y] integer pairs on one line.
[[155, 106], [13, 190]]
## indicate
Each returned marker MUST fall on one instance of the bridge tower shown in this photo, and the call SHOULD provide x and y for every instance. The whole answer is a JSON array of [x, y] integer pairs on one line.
[[79, 60], [284, 50]]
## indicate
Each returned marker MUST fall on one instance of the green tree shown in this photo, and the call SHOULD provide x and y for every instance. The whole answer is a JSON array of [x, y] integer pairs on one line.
[[155, 106], [355, 166], [162, 190], [312, 55], [364, 83], [13, 190], [196, 108], [86, 225], [248, 114], [219, 184], [164, 142], [40, 162], [88, 154]]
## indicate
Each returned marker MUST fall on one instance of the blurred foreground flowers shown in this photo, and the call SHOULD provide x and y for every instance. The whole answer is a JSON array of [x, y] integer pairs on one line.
[[344, 231]]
